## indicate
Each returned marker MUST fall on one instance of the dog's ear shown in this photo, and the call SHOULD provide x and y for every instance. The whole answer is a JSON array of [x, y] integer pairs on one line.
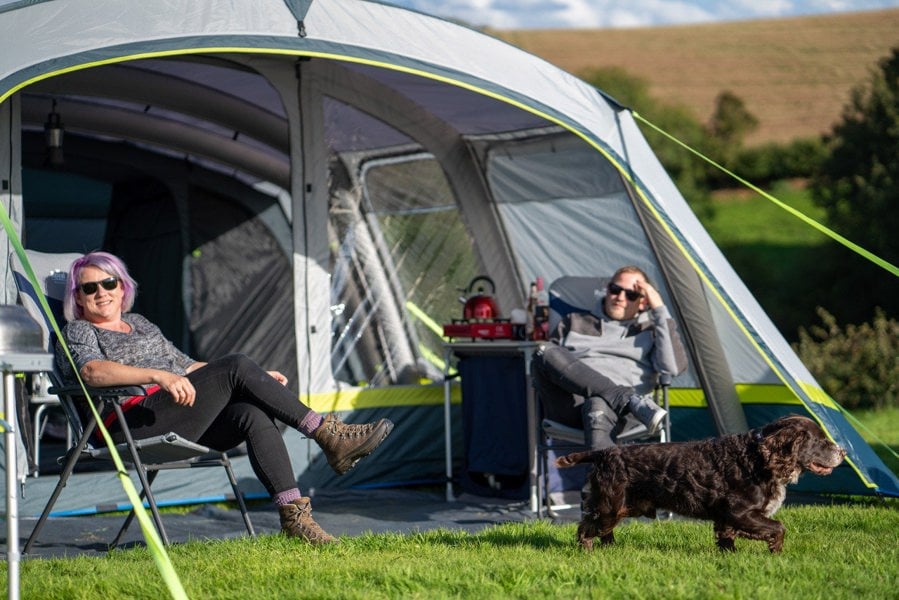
[[779, 443]]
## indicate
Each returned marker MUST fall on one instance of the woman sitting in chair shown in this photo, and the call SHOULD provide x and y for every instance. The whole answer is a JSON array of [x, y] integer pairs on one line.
[[218, 404]]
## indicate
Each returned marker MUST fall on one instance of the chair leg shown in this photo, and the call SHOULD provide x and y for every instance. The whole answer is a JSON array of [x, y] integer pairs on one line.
[[544, 476], [238, 495], [549, 509], [141, 474], [540, 486], [132, 513], [38, 415], [71, 461]]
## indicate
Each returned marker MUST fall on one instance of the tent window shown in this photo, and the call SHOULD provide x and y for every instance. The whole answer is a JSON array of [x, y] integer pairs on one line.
[[524, 171], [401, 243], [561, 188]]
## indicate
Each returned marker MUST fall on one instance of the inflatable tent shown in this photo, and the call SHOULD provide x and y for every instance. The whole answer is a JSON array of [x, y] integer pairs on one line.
[[311, 182]]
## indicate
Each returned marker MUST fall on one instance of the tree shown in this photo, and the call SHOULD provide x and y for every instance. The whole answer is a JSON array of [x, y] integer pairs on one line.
[[858, 186], [731, 120], [859, 182], [689, 173]]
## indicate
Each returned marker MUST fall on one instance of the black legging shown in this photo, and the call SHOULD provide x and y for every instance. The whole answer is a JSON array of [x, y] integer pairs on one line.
[[236, 401]]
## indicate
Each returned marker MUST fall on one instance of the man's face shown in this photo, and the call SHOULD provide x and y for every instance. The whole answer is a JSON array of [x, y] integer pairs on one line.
[[617, 305]]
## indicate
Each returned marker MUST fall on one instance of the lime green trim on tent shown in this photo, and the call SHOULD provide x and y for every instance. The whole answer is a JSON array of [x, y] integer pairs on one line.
[[382, 397], [433, 395], [687, 398], [820, 396], [755, 393], [767, 394], [747, 393], [428, 354]]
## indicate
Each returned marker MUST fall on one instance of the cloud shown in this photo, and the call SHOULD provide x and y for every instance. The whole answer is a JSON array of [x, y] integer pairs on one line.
[[561, 14]]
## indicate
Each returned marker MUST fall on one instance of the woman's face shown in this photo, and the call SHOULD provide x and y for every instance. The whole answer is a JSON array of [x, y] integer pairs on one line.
[[101, 304]]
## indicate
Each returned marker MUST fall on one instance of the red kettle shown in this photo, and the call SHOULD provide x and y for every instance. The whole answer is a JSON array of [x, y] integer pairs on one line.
[[481, 306]]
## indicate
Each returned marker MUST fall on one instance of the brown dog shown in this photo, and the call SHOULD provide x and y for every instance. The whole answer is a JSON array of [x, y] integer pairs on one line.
[[736, 481]]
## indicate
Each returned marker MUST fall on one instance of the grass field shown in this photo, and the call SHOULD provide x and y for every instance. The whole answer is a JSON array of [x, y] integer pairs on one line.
[[831, 551], [794, 74]]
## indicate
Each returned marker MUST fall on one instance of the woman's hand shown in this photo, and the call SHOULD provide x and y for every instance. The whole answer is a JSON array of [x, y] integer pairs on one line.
[[278, 377], [179, 388]]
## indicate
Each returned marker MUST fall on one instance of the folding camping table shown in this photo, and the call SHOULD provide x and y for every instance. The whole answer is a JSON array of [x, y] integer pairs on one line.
[[494, 348]]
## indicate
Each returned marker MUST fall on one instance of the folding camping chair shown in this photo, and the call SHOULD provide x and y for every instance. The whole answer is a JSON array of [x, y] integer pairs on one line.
[[55, 280], [147, 456], [573, 294]]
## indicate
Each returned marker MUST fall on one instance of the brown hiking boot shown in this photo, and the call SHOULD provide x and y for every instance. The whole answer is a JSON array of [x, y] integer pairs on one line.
[[343, 445], [296, 521]]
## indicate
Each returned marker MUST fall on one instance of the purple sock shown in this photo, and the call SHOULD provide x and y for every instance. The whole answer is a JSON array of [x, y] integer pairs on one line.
[[286, 497], [310, 423]]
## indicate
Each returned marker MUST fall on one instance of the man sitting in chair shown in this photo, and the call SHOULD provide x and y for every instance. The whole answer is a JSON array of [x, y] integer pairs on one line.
[[603, 364]]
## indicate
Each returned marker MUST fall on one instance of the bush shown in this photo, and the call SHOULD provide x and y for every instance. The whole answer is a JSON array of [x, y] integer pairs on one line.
[[688, 172], [767, 163], [858, 366]]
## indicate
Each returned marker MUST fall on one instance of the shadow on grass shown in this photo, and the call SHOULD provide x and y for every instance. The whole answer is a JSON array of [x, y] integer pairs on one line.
[[536, 534]]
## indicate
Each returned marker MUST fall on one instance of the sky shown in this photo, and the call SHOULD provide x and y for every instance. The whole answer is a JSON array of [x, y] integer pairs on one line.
[[564, 14]]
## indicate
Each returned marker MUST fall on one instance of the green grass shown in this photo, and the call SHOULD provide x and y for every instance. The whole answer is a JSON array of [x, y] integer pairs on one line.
[[745, 217], [773, 251], [880, 429], [839, 551]]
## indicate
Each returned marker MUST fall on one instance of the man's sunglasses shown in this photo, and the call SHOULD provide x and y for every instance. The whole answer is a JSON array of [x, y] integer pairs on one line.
[[615, 289], [90, 287]]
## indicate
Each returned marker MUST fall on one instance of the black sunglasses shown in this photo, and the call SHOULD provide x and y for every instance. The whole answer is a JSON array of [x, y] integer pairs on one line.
[[90, 287], [615, 289]]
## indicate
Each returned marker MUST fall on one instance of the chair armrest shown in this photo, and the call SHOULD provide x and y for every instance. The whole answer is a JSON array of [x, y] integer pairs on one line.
[[665, 379], [123, 391]]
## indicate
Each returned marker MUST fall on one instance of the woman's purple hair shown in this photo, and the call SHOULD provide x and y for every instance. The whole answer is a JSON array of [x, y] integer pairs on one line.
[[105, 262]]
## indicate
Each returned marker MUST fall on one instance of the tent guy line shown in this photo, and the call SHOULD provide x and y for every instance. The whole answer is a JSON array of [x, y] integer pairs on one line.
[[867, 254]]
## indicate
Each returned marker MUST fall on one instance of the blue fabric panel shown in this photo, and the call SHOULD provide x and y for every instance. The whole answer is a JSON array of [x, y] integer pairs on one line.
[[494, 424]]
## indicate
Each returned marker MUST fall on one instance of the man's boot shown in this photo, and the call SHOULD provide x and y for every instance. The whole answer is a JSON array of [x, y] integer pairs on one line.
[[343, 445], [647, 412], [296, 521]]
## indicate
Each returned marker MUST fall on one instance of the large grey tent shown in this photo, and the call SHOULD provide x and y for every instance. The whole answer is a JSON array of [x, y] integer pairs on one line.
[[311, 182]]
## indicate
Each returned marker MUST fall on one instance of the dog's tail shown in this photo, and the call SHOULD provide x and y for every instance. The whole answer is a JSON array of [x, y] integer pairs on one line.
[[576, 458]]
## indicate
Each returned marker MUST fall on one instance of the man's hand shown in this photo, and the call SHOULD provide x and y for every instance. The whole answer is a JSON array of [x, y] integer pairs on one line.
[[653, 298]]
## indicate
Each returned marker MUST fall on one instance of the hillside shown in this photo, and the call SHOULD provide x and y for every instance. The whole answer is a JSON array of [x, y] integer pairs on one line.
[[794, 74]]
